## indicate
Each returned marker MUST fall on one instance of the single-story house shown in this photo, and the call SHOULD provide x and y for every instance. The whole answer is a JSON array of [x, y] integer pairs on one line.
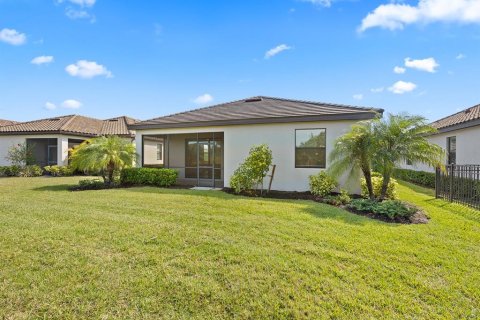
[[459, 136], [206, 145], [52, 138]]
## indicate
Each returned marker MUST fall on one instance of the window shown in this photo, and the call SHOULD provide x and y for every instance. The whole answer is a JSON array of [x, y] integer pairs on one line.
[[451, 150], [310, 148], [160, 151], [409, 162]]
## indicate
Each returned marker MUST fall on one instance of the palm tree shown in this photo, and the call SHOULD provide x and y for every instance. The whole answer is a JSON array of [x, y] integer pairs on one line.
[[106, 155], [353, 153], [400, 138]]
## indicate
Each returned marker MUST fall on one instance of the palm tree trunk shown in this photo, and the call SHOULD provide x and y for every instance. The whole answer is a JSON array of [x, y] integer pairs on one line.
[[386, 181], [367, 173]]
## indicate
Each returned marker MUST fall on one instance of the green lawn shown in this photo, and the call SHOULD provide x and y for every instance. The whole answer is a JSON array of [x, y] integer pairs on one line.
[[156, 253]]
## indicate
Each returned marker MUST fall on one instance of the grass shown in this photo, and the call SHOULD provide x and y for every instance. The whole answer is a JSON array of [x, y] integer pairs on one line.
[[176, 254]]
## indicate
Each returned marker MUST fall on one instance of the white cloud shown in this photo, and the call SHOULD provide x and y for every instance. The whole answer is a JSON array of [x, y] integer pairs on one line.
[[82, 3], [428, 65], [203, 99], [377, 90], [78, 14], [460, 56], [401, 87], [274, 51], [42, 60], [399, 70], [13, 37], [324, 3], [358, 96], [87, 70], [71, 104], [395, 16], [50, 106]]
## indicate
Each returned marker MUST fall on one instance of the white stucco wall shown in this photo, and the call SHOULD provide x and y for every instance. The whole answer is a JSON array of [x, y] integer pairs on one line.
[[280, 138], [468, 147], [150, 152], [8, 141]]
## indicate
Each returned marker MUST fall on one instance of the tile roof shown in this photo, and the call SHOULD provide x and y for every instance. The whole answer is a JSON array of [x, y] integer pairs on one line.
[[260, 109], [6, 122], [462, 117], [73, 125]]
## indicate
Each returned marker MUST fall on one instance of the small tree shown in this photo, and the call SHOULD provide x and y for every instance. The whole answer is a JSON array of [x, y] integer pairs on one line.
[[253, 170], [21, 154], [353, 153], [403, 137], [107, 155]]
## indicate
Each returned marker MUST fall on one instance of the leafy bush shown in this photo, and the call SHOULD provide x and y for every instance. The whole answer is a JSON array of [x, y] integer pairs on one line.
[[149, 176], [253, 170], [322, 184], [10, 171], [59, 171], [21, 154], [341, 199], [21, 171], [89, 184], [390, 209], [422, 178], [377, 181], [31, 171]]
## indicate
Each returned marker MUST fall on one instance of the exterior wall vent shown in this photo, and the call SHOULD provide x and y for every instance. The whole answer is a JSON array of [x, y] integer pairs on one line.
[[254, 100]]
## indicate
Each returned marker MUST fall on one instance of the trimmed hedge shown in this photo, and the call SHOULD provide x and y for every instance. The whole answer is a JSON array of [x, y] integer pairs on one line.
[[18, 171], [422, 178], [149, 177]]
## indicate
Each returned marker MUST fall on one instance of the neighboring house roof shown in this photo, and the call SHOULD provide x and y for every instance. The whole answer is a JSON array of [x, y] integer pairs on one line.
[[260, 110], [466, 118], [6, 122], [72, 125]]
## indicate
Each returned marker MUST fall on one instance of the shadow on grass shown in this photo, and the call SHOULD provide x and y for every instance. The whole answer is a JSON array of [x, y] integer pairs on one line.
[[315, 209], [56, 187]]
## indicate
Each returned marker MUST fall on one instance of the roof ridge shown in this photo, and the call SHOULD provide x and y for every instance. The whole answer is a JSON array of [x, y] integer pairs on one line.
[[31, 121], [62, 128], [321, 102]]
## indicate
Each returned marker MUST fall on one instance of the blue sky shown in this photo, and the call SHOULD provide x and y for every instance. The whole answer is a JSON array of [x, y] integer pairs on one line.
[[105, 58]]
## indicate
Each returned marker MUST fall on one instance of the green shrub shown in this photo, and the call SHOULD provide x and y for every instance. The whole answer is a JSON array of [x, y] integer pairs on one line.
[[390, 209], [10, 171], [377, 182], [31, 171], [253, 170], [422, 178], [322, 184], [149, 177], [341, 199], [89, 184], [59, 171]]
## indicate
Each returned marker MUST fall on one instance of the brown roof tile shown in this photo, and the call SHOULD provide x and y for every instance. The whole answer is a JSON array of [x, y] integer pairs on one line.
[[6, 122], [458, 118], [72, 124], [260, 110]]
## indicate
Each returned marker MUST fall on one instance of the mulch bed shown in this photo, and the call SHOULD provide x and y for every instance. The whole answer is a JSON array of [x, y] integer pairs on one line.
[[418, 218]]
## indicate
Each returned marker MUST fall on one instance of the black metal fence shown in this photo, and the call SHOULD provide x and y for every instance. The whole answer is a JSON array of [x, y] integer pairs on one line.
[[460, 184]]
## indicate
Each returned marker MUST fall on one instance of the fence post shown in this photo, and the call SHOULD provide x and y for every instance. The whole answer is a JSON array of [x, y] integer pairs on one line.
[[451, 183]]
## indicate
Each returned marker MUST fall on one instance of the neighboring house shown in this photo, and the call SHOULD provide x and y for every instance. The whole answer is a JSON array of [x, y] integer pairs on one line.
[[6, 122], [459, 136], [207, 145], [53, 138]]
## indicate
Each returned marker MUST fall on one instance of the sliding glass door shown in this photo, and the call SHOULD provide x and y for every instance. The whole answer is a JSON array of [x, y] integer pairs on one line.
[[204, 160]]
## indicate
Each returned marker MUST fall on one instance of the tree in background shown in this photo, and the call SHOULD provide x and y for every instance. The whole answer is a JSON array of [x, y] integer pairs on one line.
[[106, 155], [403, 137]]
